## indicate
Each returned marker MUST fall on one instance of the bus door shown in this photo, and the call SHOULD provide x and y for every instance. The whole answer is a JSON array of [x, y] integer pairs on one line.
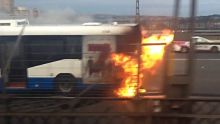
[[96, 65], [14, 65]]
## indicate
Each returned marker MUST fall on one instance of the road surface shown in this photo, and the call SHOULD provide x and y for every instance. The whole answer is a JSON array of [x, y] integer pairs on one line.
[[206, 70]]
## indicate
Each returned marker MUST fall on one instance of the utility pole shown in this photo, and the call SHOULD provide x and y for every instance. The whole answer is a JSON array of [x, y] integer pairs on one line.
[[168, 65], [137, 20], [191, 56], [137, 17]]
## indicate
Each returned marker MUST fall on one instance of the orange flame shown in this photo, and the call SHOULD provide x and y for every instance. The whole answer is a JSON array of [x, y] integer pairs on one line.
[[151, 57]]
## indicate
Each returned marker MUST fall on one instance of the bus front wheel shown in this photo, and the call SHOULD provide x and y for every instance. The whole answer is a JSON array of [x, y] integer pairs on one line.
[[64, 83]]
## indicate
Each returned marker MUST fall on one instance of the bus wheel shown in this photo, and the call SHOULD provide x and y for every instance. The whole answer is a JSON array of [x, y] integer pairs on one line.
[[64, 83]]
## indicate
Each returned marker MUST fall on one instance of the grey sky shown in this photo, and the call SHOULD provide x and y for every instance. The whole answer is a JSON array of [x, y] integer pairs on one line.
[[122, 7]]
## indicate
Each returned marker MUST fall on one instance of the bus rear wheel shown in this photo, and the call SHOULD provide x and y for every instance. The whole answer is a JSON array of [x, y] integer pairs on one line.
[[64, 83]]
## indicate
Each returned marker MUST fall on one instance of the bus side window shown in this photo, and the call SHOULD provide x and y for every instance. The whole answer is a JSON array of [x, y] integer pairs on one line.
[[73, 45]]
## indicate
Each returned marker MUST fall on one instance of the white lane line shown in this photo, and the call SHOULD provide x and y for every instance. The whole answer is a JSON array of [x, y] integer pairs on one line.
[[198, 59]]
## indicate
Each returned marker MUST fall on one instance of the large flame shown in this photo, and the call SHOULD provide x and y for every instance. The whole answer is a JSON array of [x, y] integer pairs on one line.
[[151, 57]]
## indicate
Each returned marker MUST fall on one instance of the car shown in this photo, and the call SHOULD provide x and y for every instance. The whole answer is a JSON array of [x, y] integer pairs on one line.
[[201, 44], [181, 46]]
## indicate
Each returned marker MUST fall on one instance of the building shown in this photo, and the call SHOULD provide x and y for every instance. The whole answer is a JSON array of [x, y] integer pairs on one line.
[[6, 6], [21, 11]]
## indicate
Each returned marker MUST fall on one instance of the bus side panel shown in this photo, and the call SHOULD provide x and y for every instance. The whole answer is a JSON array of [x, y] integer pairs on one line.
[[96, 63], [42, 76], [49, 56], [42, 83]]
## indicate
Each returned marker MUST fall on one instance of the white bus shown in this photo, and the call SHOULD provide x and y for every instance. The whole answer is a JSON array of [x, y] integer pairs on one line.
[[60, 57], [12, 22]]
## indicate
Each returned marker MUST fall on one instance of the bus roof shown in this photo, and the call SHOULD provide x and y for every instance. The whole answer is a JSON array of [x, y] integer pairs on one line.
[[68, 30]]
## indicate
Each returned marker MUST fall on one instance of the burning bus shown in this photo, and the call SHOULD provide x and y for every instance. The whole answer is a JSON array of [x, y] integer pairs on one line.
[[62, 58], [69, 59]]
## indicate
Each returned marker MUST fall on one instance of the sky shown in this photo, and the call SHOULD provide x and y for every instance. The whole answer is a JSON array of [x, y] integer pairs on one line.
[[122, 7]]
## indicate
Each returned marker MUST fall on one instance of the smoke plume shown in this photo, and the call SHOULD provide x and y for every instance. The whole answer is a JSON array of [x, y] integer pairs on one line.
[[66, 16]]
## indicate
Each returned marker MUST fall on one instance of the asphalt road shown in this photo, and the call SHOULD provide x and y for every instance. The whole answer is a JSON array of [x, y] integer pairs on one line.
[[206, 68]]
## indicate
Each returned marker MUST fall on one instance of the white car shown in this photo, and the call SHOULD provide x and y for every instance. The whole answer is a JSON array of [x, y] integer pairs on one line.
[[181, 46], [201, 44]]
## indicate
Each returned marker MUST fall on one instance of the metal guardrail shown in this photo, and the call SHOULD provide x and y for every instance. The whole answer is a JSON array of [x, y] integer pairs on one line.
[[68, 110]]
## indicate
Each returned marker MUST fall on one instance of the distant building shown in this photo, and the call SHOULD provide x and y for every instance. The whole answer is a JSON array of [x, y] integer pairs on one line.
[[21, 11], [7, 6]]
